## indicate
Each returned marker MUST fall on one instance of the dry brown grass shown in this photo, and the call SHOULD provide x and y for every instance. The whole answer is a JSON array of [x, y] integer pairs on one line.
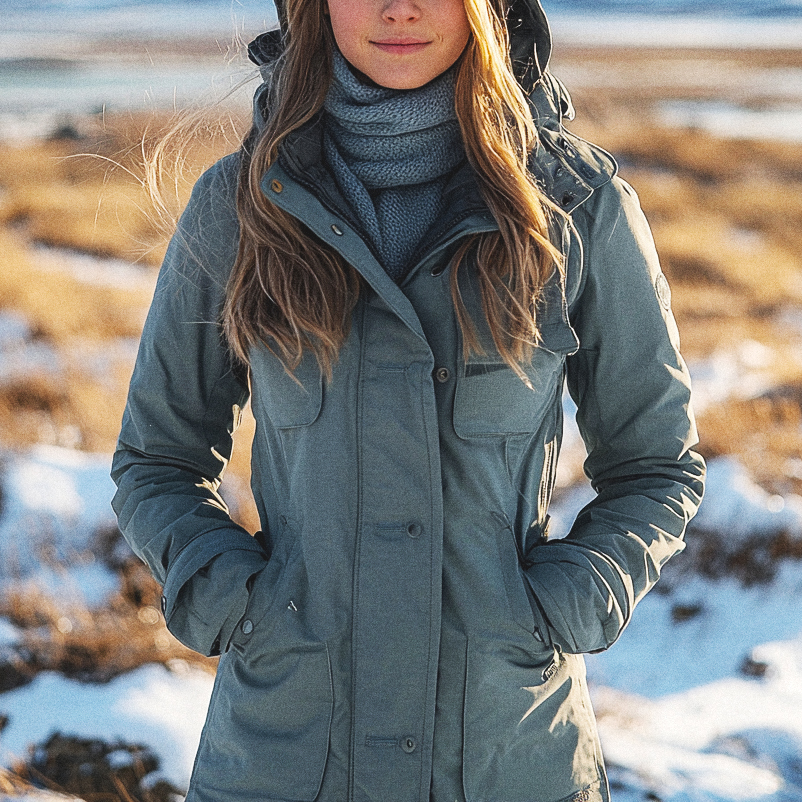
[[92, 194], [96, 771], [726, 216], [91, 644], [52, 196], [61, 307], [764, 432]]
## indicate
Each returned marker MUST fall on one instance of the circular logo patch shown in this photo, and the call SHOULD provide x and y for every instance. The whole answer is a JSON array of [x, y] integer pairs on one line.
[[663, 291]]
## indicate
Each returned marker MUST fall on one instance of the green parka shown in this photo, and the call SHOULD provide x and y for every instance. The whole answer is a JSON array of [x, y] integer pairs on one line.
[[402, 629]]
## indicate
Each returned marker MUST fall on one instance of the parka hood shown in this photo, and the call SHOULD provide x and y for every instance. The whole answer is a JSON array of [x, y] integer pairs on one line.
[[530, 40], [568, 168]]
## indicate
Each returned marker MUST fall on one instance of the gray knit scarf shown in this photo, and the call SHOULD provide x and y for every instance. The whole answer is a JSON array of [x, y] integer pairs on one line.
[[391, 152]]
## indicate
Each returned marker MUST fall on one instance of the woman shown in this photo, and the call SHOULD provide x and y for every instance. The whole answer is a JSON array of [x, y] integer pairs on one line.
[[401, 269]]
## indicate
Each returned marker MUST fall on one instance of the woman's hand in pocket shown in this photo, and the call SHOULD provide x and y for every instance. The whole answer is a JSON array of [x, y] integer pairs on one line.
[[213, 600]]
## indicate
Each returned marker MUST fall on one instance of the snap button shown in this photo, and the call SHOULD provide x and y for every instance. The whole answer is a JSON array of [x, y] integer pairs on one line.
[[414, 530], [442, 375], [276, 185], [247, 626], [438, 270], [337, 230], [408, 744], [164, 605]]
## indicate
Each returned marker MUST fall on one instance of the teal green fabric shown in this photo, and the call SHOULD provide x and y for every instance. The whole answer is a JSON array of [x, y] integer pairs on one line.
[[402, 628]]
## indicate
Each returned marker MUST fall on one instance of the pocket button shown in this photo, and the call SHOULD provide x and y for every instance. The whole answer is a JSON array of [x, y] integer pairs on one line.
[[409, 744]]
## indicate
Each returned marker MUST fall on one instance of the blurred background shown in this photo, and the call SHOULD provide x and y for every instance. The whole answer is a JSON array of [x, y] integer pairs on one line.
[[701, 104]]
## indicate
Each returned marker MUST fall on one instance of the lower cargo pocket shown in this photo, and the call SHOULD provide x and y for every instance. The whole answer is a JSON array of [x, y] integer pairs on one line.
[[529, 733], [267, 732]]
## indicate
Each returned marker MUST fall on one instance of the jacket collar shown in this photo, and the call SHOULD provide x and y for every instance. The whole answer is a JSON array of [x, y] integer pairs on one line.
[[301, 156]]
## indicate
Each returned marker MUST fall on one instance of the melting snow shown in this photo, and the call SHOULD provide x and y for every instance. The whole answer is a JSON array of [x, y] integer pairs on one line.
[[54, 503], [154, 706], [745, 371], [20, 353], [740, 508], [676, 30], [89, 269], [728, 120], [733, 738]]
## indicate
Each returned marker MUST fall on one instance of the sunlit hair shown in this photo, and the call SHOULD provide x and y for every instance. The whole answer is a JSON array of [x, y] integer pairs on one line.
[[292, 293]]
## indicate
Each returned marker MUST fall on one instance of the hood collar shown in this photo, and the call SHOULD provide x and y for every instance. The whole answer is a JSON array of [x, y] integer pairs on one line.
[[530, 41]]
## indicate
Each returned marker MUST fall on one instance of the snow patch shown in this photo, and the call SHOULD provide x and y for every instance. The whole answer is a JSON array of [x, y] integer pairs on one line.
[[152, 706], [730, 739], [744, 371], [95, 270], [20, 354], [734, 505], [676, 30], [55, 501], [728, 120]]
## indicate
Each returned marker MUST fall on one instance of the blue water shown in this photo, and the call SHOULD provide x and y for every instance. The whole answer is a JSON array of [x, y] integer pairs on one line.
[[751, 7], [107, 16], [63, 58], [731, 8]]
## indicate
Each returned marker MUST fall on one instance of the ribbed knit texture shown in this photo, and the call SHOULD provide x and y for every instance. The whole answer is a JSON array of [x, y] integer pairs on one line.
[[391, 152]]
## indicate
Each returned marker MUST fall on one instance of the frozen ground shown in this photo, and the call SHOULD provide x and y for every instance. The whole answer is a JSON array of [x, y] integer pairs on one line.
[[159, 707], [699, 701], [54, 503]]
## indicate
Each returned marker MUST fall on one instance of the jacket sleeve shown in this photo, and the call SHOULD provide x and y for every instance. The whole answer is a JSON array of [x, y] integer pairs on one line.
[[632, 392], [183, 406]]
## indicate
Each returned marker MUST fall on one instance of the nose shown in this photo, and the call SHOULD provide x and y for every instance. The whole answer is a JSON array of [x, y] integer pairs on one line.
[[401, 11]]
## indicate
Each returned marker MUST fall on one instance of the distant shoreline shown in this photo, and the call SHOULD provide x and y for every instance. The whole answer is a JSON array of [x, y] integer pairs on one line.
[[671, 30], [47, 91]]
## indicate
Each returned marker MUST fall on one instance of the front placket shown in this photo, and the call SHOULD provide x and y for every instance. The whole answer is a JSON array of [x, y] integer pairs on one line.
[[397, 577]]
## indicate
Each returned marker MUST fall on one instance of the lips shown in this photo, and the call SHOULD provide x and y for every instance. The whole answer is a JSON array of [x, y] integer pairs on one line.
[[401, 46]]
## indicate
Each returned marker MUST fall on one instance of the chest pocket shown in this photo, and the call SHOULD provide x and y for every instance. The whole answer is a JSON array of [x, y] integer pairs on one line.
[[286, 402], [490, 399]]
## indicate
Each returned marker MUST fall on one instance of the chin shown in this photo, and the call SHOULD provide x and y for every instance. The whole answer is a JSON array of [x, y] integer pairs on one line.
[[402, 81]]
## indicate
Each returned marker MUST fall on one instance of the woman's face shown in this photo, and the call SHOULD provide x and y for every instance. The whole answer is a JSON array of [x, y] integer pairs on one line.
[[400, 44]]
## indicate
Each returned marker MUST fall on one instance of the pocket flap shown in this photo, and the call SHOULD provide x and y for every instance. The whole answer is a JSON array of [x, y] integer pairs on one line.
[[491, 400], [288, 401]]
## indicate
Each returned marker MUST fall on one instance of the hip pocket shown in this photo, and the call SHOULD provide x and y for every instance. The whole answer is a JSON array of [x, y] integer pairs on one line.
[[529, 733], [267, 732]]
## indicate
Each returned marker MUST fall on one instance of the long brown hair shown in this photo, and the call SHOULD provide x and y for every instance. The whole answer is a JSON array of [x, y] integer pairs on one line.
[[292, 293]]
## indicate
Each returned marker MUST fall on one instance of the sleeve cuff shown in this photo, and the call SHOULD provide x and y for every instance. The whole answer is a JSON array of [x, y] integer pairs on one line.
[[199, 552]]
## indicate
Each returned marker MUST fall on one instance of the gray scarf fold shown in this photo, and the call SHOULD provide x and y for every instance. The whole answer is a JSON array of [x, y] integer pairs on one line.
[[391, 152]]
